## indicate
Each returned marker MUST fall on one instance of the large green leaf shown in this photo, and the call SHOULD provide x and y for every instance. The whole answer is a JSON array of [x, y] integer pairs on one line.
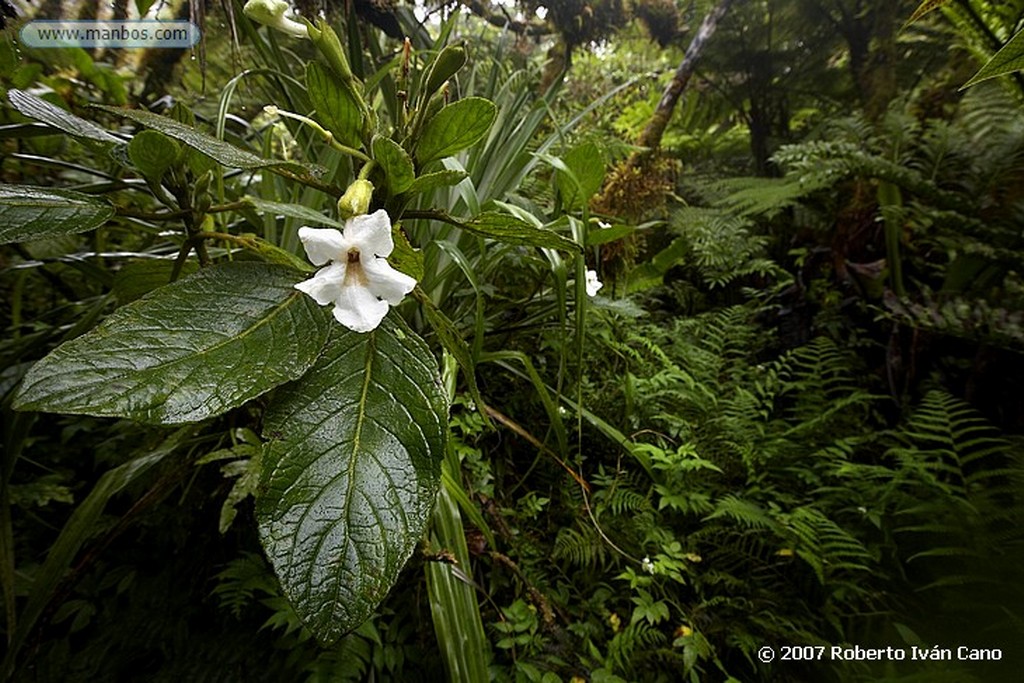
[[351, 472], [455, 127], [222, 152], [1010, 58], [650, 274], [52, 115], [188, 351], [32, 213], [336, 107]]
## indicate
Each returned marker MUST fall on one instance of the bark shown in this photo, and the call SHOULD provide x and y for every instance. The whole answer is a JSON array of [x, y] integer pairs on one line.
[[651, 137]]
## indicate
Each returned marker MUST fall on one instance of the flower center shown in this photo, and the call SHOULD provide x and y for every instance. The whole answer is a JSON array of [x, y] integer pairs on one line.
[[354, 274]]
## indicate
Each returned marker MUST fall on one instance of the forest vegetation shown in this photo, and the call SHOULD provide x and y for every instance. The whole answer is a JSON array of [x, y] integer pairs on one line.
[[532, 341]]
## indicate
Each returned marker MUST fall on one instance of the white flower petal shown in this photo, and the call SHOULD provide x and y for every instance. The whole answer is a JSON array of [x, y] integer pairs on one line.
[[324, 244], [326, 286], [593, 284], [370, 234], [358, 309], [386, 282], [359, 281]]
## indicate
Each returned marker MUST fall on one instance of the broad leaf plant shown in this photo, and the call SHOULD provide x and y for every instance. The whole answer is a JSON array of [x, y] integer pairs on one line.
[[353, 412]]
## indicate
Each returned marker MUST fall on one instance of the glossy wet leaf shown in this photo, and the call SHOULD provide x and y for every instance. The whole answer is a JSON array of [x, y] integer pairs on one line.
[[351, 472], [222, 152], [52, 115], [454, 128], [405, 257], [32, 213], [188, 351]]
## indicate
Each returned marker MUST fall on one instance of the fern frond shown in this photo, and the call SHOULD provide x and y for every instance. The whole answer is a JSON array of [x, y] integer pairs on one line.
[[824, 545], [745, 513], [766, 197], [722, 245], [580, 548]]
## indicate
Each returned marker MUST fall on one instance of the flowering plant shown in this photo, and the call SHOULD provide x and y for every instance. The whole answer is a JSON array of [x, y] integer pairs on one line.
[[353, 415], [359, 281]]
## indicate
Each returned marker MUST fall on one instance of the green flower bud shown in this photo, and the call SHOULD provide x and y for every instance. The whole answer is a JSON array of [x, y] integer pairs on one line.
[[327, 42], [356, 200]]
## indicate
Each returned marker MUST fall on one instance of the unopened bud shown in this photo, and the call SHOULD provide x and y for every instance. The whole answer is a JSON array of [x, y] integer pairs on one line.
[[356, 200], [274, 13]]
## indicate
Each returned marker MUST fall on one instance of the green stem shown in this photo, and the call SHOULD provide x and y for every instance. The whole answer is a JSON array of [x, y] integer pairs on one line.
[[367, 169], [327, 135]]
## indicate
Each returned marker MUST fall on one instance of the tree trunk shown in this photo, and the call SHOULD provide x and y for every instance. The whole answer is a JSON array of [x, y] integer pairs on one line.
[[651, 137]]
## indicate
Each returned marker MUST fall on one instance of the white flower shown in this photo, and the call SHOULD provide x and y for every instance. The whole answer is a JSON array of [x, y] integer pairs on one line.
[[593, 284], [272, 13], [359, 280], [647, 565]]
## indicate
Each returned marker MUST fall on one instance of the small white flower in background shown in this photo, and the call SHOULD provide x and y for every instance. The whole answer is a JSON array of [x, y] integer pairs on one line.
[[593, 284], [647, 565], [272, 13], [359, 280]]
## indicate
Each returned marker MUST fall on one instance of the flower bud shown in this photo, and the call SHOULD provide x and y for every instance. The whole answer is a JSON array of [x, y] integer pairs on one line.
[[327, 42], [356, 200], [272, 13]]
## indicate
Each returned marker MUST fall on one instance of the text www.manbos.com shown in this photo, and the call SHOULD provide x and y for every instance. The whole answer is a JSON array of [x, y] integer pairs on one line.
[[114, 34]]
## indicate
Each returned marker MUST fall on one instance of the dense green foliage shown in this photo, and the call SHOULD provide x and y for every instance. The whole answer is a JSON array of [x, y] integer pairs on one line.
[[789, 417]]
